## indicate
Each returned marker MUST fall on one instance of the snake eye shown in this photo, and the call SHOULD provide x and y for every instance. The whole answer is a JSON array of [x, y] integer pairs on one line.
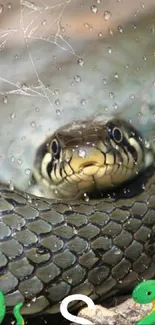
[[55, 147], [115, 133]]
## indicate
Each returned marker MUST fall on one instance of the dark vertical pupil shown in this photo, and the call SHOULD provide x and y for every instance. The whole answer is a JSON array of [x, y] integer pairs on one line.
[[149, 293]]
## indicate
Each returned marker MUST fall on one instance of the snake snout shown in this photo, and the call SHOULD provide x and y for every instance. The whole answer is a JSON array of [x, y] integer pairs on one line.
[[88, 162]]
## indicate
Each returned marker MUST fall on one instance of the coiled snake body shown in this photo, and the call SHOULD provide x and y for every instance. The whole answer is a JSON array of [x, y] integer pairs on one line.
[[52, 248]]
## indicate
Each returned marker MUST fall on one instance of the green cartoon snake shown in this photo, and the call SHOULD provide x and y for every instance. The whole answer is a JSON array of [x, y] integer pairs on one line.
[[16, 310], [144, 293]]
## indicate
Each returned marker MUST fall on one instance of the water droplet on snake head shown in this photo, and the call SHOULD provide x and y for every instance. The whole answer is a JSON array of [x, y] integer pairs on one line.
[[100, 34], [94, 9], [107, 15], [82, 153]]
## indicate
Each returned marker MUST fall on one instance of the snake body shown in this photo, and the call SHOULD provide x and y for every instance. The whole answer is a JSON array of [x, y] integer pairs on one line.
[[53, 248]]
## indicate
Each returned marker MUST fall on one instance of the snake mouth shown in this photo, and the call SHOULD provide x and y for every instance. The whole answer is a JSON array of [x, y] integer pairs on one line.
[[90, 164]]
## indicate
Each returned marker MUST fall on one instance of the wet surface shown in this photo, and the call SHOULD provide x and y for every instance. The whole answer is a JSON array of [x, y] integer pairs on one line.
[[61, 61]]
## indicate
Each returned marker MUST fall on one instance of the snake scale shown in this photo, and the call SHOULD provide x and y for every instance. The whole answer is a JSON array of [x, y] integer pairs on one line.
[[50, 249]]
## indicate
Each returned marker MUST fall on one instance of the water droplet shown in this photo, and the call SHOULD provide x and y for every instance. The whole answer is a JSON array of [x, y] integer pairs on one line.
[[107, 15], [33, 124], [142, 5], [12, 115], [115, 106], [80, 62], [29, 200], [86, 25], [58, 112], [98, 1], [11, 186], [94, 9], [104, 81], [44, 22], [132, 96], [116, 75], [5, 100], [152, 29], [9, 6], [19, 161], [57, 102], [109, 50], [56, 91], [134, 26], [83, 102], [111, 95], [147, 144], [1, 9], [37, 109], [77, 78], [82, 153], [27, 171], [86, 197], [62, 29], [34, 299], [110, 31], [144, 58], [120, 29], [13, 159], [100, 34]]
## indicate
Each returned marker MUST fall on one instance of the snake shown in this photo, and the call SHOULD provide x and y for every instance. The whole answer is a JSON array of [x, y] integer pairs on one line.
[[97, 245]]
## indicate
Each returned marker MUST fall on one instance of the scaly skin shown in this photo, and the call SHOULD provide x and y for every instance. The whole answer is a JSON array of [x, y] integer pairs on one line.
[[50, 249]]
